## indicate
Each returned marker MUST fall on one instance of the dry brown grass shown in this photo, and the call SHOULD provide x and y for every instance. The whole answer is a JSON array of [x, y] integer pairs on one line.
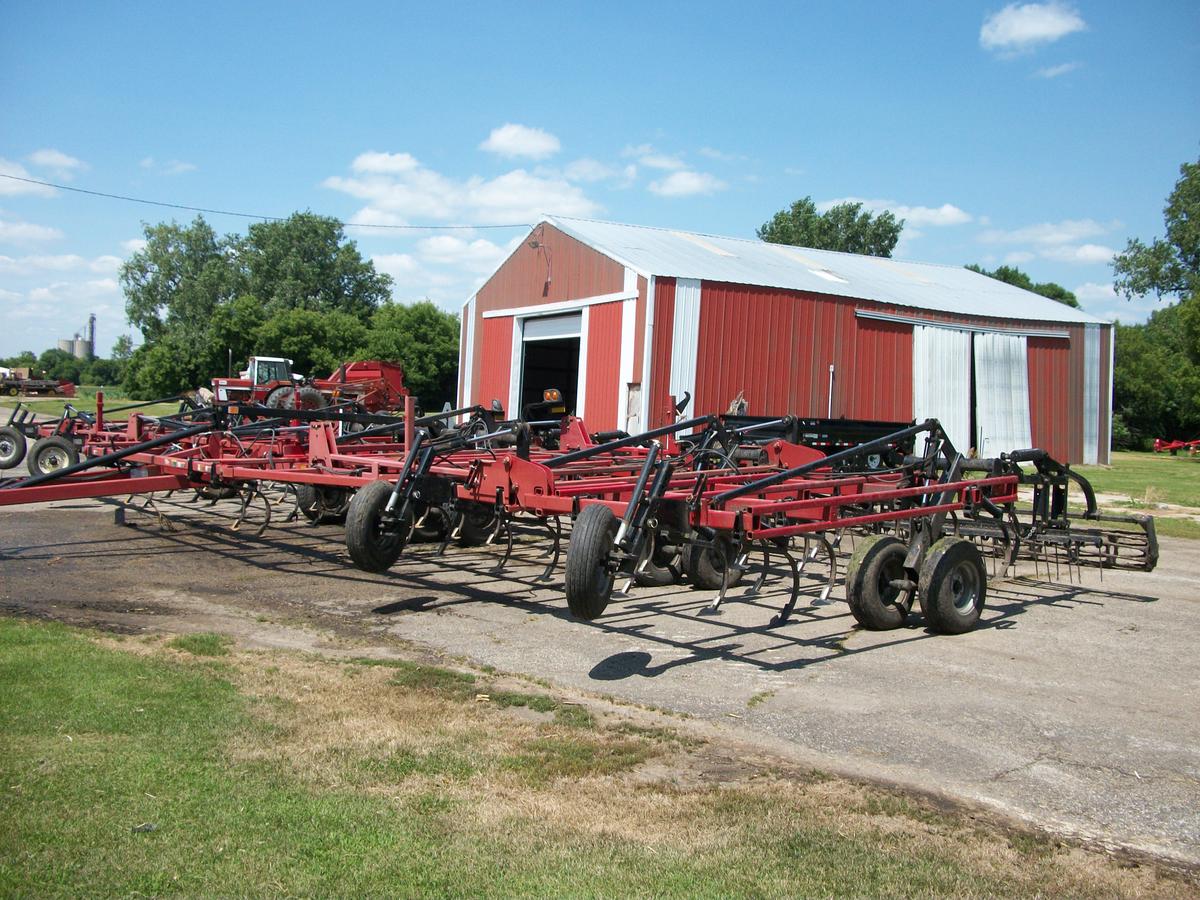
[[351, 726]]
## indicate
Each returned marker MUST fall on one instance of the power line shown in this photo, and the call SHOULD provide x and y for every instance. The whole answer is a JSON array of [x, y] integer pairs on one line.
[[243, 215]]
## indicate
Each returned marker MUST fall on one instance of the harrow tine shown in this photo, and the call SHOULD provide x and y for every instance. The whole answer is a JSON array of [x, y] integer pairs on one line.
[[556, 533], [508, 534], [781, 617]]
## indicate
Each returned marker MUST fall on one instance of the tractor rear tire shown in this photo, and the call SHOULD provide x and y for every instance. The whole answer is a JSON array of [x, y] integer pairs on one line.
[[285, 397], [877, 562], [953, 586], [705, 566], [50, 454], [321, 505], [374, 542], [589, 582], [12, 447]]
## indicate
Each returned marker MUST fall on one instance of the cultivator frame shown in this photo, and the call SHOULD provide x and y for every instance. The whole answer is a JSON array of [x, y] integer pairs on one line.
[[696, 499]]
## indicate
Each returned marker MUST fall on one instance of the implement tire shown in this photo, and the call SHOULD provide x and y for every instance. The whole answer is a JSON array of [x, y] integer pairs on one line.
[[12, 447], [288, 397], [953, 586], [876, 562], [478, 523], [320, 504], [50, 454], [661, 569], [705, 566], [373, 542], [589, 583]]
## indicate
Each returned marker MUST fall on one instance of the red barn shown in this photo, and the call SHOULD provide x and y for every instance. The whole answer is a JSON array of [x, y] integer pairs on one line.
[[622, 317]]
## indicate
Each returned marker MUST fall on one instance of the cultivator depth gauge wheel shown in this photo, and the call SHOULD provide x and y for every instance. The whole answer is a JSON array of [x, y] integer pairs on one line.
[[589, 578], [875, 600], [374, 537], [12, 447], [50, 454], [953, 586]]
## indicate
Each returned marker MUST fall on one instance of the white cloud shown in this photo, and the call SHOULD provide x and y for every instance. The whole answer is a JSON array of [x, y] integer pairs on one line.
[[395, 264], [1101, 300], [1056, 71], [409, 193], [686, 184], [68, 291], [17, 232], [133, 245], [57, 162], [62, 262], [946, 214], [11, 188], [793, 171], [1024, 26], [662, 161], [637, 150], [512, 140], [1083, 253], [591, 170], [384, 163], [479, 254], [1049, 233], [1017, 257], [170, 167], [720, 155]]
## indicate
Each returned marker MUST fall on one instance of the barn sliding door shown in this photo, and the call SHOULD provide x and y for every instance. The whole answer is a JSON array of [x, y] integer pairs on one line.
[[942, 380], [1001, 393]]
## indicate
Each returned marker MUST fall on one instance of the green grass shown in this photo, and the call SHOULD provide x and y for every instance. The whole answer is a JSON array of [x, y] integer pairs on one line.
[[120, 775], [202, 644], [1154, 477], [85, 400]]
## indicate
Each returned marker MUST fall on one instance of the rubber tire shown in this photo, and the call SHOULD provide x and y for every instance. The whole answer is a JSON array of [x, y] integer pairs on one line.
[[589, 584], [217, 492], [658, 571], [702, 571], [41, 446], [479, 521], [285, 397], [370, 550], [19, 446], [321, 504], [949, 567], [14, 391], [876, 560]]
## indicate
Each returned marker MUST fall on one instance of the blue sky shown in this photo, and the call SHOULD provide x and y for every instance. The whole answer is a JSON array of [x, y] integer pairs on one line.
[[1041, 134]]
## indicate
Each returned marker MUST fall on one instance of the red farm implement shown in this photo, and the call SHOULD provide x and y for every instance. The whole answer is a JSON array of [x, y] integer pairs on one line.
[[1173, 447], [701, 500]]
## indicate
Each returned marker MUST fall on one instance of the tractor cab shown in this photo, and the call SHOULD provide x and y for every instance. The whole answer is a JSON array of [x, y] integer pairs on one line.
[[263, 377], [269, 370]]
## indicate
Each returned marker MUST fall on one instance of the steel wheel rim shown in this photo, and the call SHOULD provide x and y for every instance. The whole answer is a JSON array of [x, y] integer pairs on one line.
[[52, 459], [963, 582], [8, 447]]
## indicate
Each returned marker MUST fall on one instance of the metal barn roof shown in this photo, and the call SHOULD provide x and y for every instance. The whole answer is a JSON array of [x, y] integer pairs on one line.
[[951, 289]]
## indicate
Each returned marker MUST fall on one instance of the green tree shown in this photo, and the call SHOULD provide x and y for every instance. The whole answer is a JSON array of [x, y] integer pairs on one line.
[[306, 262], [423, 339], [1013, 275], [846, 227], [178, 280], [58, 364], [26, 358], [1170, 266], [316, 342], [1156, 387], [123, 348]]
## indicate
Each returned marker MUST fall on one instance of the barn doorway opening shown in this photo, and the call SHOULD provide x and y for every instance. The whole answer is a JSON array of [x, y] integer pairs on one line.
[[550, 359]]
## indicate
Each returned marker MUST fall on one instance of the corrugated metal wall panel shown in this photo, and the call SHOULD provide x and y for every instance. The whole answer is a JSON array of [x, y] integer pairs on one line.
[[639, 331], [1091, 394], [603, 366], [1106, 392], [660, 352], [1049, 373], [685, 340], [942, 380], [877, 382], [495, 361], [1001, 393]]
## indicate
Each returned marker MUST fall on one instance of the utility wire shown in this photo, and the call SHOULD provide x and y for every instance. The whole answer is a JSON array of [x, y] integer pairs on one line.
[[226, 212]]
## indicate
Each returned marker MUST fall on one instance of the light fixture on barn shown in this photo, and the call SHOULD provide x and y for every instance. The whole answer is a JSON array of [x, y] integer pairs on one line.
[[536, 243]]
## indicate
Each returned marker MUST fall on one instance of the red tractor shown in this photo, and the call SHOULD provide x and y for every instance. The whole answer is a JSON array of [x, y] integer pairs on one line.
[[371, 386]]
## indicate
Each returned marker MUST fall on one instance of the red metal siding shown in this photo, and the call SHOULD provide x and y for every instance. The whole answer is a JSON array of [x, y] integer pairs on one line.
[[495, 361], [1049, 418], [878, 383], [662, 339], [561, 268], [603, 366]]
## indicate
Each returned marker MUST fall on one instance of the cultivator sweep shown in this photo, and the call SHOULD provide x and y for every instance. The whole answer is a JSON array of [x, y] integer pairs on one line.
[[707, 500]]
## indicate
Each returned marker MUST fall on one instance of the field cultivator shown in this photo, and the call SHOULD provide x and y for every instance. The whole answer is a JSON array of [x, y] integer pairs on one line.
[[1173, 447], [701, 500]]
